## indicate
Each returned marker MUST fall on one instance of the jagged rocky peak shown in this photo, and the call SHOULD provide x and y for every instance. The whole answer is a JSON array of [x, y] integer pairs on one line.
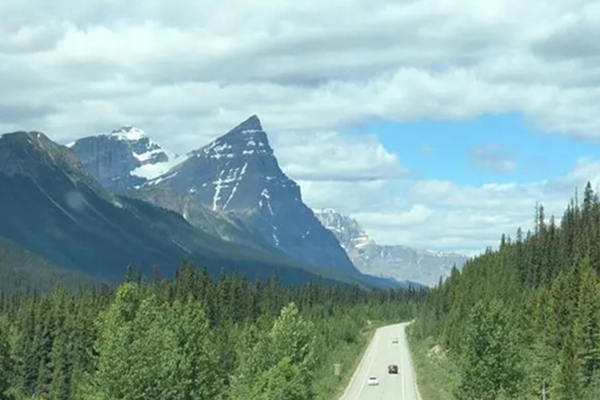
[[128, 132], [24, 152], [238, 174], [346, 229], [32, 138], [388, 261], [144, 149], [246, 139], [237, 171], [123, 159]]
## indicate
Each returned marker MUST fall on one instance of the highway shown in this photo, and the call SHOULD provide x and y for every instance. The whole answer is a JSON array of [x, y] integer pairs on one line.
[[381, 353]]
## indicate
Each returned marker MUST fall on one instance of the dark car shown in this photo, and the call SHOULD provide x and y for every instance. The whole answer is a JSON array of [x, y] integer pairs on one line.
[[392, 369]]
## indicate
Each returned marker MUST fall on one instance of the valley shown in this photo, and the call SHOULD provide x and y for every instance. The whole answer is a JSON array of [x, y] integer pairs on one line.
[[340, 200]]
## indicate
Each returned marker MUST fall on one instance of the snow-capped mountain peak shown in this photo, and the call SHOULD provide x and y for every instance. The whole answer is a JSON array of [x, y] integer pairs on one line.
[[123, 159], [238, 174], [346, 229], [236, 171], [128, 132], [246, 139]]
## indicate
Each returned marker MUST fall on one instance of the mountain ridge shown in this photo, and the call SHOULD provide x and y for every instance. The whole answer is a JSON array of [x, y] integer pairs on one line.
[[124, 158], [234, 188], [402, 263], [50, 205], [238, 173]]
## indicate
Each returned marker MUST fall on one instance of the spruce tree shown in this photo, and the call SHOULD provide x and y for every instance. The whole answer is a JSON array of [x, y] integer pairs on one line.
[[586, 330], [567, 378]]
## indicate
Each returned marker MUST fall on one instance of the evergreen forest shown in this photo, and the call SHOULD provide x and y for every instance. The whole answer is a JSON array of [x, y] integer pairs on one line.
[[523, 321], [190, 337]]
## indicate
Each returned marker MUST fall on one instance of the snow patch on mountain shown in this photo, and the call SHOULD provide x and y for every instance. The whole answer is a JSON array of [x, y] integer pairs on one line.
[[124, 159], [128, 132], [151, 171]]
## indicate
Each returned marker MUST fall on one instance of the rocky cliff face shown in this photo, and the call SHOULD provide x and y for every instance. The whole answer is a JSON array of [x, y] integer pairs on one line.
[[397, 262], [238, 176], [122, 160]]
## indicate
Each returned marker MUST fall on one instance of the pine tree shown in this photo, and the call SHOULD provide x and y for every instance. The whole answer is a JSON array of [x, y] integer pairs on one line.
[[60, 384], [586, 330], [195, 376], [567, 378]]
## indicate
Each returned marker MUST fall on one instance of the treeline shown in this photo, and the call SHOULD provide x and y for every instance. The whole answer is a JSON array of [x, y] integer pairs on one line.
[[523, 322], [186, 338]]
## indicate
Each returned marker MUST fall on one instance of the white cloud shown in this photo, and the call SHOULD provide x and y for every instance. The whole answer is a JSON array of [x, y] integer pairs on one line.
[[334, 156], [187, 72], [443, 215], [294, 67]]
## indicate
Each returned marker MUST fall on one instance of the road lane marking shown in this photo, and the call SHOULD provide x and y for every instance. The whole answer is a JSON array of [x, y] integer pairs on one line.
[[354, 379], [368, 370]]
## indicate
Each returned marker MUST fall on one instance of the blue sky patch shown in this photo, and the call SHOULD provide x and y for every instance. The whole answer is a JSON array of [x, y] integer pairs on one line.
[[492, 148]]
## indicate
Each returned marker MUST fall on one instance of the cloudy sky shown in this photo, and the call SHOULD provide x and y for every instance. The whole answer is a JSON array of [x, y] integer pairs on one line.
[[437, 124]]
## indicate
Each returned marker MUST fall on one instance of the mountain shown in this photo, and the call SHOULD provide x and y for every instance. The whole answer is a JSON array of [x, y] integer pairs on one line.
[[124, 159], [237, 177], [397, 262], [51, 206]]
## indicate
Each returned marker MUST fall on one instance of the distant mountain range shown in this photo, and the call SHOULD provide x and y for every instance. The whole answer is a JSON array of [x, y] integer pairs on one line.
[[397, 262], [111, 200]]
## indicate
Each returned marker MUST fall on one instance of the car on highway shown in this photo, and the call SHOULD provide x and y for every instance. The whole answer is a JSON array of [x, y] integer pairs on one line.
[[393, 369], [395, 341], [373, 381]]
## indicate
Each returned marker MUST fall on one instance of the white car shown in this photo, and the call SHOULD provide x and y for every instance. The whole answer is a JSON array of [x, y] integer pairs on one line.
[[373, 381]]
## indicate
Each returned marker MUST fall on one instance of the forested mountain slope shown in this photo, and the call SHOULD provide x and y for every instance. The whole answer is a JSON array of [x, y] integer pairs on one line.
[[23, 271], [523, 322]]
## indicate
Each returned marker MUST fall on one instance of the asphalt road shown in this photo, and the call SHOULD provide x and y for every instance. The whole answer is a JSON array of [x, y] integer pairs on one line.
[[381, 353]]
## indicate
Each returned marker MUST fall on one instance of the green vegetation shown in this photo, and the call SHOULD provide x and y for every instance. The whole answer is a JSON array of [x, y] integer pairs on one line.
[[436, 373], [522, 322], [347, 353], [190, 338]]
